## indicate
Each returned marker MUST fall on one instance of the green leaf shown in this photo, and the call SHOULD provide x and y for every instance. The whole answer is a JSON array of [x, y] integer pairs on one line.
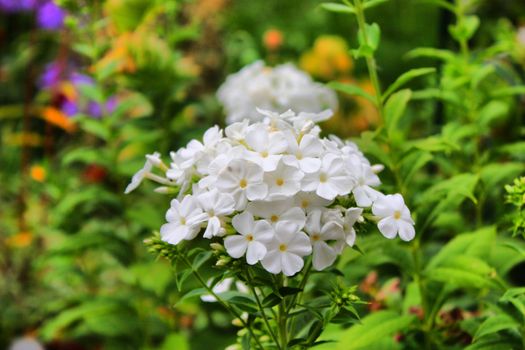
[[494, 324], [509, 91], [286, 291], [94, 127], [175, 341], [373, 327], [405, 78], [465, 28], [352, 90], [476, 244], [271, 300], [513, 293], [91, 92], [84, 155], [454, 190], [191, 294], [492, 112], [440, 54], [373, 35], [496, 174], [459, 277], [200, 259], [338, 8], [516, 149], [244, 303], [395, 108], [481, 74], [441, 3], [373, 3]]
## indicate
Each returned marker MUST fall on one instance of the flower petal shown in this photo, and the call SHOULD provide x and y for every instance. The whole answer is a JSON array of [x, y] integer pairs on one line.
[[323, 256], [388, 227], [243, 223], [291, 263], [236, 246], [255, 252], [256, 192], [406, 230], [272, 262], [173, 233]]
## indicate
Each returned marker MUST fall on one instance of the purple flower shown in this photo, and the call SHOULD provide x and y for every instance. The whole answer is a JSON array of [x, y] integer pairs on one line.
[[81, 79], [70, 108], [50, 16], [52, 75], [17, 5], [94, 109]]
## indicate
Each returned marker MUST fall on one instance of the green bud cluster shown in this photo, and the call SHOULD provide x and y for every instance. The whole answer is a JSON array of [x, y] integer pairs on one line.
[[157, 246]]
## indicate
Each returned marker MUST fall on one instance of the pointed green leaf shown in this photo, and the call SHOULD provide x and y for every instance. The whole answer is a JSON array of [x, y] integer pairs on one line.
[[494, 324], [373, 327], [373, 3], [353, 90], [338, 8], [395, 108], [405, 78]]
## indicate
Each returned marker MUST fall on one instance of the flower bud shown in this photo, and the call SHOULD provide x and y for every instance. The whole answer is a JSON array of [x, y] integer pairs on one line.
[[223, 261], [238, 323], [217, 247]]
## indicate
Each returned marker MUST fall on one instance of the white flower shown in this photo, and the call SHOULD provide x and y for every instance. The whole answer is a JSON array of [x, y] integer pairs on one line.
[[237, 131], [331, 180], [304, 153], [286, 250], [184, 219], [244, 181], [215, 205], [252, 240], [395, 217], [364, 177], [309, 201], [279, 89], [351, 217], [223, 286], [275, 212], [325, 238], [266, 148], [136, 180], [284, 182]]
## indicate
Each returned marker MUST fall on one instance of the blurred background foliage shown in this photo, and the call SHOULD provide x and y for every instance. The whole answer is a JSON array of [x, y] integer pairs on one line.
[[87, 87]]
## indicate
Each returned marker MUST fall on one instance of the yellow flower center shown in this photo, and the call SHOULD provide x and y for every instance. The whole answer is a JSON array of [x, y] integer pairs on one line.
[[264, 154], [299, 156], [279, 182], [323, 177], [316, 237], [282, 247], [182, 221], [397, 215], [243, 183], [274, 218], [249, 237], [305, 204]]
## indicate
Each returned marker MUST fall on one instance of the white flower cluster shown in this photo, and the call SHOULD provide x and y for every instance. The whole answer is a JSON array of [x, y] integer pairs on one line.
[[280, 188], [278, 89]]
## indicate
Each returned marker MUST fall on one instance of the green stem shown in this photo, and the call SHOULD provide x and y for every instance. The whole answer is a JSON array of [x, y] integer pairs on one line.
[[283, 333], [222, 302], [296, 299], [261, 308], [370, 60]]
